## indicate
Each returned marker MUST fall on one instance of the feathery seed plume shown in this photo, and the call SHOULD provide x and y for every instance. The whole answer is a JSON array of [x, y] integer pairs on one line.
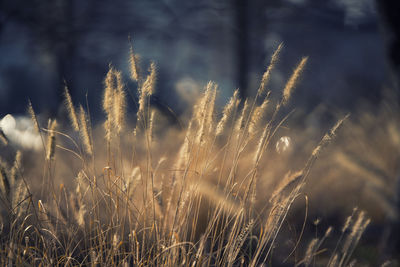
[[257, 116], [146, 90], [184, 151], [71, 109], [33, 116], [205, 109], [289, 179], [241, 239], [358, 224], [134, 64], [19, 197], [5, 182], [200, 109], [328, 137], [291, 83], [228, 112], [210, 121], [354, 236], [84, 130], [149, 83], [240, 123], [349, 220], [16, 167], [267, 74], [119, 104], [108, 101], [51, 140], [110, 85], [80, 215]]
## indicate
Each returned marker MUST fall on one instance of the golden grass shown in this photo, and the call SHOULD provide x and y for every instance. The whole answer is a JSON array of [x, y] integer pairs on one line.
[[291, 83], [189, 199], [51, 140], [71, 110]]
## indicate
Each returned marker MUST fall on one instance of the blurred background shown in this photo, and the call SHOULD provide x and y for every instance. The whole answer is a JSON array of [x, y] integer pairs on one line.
[[351, 46]]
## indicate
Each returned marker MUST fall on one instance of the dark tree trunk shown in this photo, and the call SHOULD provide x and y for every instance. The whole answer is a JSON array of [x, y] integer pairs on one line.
[[65, 55], [242, 45], [389, 14]]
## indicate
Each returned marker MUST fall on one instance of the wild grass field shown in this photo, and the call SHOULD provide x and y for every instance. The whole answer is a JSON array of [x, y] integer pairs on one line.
[[222, 189]]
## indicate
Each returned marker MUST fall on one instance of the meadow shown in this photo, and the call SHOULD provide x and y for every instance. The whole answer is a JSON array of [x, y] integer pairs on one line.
[[220, 189]]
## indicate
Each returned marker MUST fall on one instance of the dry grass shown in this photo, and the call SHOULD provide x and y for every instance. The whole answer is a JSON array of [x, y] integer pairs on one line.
[[145, 196]]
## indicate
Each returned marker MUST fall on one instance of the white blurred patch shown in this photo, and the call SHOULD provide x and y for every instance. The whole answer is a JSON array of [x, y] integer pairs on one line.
[[20, 131], [283, 144], [188, 89]]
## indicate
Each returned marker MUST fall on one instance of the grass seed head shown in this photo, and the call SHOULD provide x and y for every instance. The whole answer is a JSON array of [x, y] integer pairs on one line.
[[84, 131], [291, 83], [71, 109], [267, 74], [134, 64], [51, 140]]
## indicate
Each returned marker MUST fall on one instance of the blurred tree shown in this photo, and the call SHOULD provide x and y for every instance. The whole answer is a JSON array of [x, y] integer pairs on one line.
[[55, 27], [226, 41], [389, 11], [73, 33]]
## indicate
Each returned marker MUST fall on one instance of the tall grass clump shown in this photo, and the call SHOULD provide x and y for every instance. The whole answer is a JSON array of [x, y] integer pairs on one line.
[[133, 194]]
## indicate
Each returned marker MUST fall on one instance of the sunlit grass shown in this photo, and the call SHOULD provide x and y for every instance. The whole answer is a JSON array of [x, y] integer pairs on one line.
[[134, 194]]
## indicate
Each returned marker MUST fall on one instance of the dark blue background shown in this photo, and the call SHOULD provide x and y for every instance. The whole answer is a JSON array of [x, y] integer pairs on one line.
[[44, 42]]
